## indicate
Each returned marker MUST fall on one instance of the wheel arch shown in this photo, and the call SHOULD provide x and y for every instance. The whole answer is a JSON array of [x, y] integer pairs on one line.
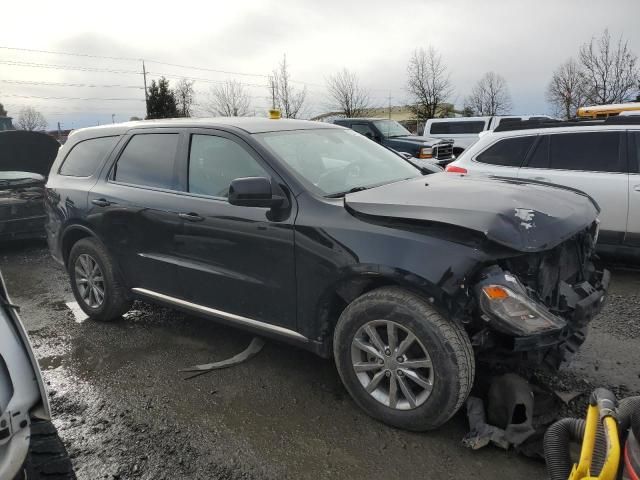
[[71, 235], [362, 279]]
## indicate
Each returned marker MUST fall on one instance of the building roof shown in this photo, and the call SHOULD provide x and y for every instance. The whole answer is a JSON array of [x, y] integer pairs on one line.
[[248, 124]]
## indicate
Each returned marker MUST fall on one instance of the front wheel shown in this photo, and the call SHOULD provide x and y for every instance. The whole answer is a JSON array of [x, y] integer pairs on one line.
[[401, 361]]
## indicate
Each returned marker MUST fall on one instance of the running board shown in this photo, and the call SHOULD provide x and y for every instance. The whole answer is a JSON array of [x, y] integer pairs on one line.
[[248, 322]]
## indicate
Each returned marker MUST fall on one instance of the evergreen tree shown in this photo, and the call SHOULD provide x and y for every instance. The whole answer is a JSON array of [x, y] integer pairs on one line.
[[161, 101]]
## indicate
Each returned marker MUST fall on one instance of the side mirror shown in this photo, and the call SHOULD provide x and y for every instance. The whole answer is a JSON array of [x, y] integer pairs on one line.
[[254, 192]]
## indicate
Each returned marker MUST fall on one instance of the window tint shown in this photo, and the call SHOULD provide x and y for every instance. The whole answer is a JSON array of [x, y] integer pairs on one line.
[[215, 161], [148, 159], [509, 152], [634, 152], [363, 129], [455, 128], [590, 151], [540, 157], [85, 157]]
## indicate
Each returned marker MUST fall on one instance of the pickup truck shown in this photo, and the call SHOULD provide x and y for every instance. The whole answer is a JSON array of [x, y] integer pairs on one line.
[[391, 134]]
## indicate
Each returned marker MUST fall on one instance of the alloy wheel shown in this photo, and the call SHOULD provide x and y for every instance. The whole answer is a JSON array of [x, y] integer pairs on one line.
[[89, 280], [392, 365]]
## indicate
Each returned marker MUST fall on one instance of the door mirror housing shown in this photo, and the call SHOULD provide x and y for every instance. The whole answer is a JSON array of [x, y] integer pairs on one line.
[[254, 192]]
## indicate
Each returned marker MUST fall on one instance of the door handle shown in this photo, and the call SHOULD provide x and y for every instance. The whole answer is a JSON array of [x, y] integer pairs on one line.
[[541, 179], [101, 202], [191, 217], [637, 188]]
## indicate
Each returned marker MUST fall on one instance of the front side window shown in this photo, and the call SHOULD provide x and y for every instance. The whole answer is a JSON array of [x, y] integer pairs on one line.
[[363, 129], [84, 158], [334, 161], [587, 151], [148, 160], [214, 162], [509, 152]]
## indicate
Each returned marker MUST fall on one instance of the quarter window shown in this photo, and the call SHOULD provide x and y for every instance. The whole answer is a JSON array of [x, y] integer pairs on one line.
[[457, 128], [148, 160], [509, 152], [214, 162], [587, 151], [84, 158]]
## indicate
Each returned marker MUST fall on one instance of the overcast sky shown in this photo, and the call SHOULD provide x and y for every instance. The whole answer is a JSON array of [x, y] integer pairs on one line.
[[524, 41]]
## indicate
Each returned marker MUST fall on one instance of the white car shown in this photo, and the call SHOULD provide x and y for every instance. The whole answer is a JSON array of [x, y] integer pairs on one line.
[[29, 444], [600, 158], [465, 131]]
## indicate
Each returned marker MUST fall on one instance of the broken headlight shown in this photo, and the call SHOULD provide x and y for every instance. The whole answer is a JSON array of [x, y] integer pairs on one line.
[[515, 313]]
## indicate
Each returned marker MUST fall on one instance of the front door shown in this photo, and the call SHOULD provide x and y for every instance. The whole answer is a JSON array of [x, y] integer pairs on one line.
[[238, 260], [632, 237]]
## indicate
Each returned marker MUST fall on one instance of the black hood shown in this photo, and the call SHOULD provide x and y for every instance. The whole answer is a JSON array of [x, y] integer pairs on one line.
[[25, 151], [524, 216], [419, 140]]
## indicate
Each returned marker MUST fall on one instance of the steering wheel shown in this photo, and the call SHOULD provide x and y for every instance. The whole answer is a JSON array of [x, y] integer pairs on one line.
[[339, 176]]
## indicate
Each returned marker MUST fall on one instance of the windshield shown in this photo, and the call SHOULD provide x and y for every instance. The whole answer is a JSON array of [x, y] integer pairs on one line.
[[335, 161], [391, 128]]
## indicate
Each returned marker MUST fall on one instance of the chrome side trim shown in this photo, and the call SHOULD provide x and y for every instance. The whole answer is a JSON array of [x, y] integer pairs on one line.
[[219, 313]]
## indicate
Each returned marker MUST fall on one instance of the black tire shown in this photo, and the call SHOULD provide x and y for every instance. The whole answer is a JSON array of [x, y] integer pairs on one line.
[[47, 458], [447, 344], [116, 300]]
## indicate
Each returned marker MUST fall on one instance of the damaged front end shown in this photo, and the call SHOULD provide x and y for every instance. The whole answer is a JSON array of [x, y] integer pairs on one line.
[[536, 307]]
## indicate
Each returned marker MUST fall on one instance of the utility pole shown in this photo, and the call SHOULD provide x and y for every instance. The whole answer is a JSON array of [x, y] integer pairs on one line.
[[146, 94], [113, 118], [389, 105], [59, 132]]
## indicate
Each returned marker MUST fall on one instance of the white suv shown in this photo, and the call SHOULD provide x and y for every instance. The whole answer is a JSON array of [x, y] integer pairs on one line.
[[601, 158], [465, 131]]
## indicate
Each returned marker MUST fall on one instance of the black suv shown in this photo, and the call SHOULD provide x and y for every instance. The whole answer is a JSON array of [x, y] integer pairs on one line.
[[312, 234], [393, 135]]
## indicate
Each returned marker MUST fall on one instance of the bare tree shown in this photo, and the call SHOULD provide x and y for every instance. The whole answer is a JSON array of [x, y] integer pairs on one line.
[[610, 70], [490, 96], [30, 119], [428, 83], [347, 95], [3, 112], [183, 94], [228, 100], [285, 96], [566, 90]]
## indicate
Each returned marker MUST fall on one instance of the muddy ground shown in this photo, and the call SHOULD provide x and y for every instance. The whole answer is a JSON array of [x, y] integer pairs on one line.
[[124, 411]]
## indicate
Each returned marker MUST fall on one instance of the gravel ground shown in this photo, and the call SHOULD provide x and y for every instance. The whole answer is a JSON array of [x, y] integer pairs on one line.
[[124, 411]]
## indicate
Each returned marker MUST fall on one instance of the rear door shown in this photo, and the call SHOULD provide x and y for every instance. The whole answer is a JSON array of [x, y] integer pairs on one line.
[[133, 209], [592, 161], [632, 237]]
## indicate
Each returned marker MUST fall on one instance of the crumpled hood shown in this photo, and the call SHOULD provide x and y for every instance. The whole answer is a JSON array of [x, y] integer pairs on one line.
[[25, 151], [523, 215]]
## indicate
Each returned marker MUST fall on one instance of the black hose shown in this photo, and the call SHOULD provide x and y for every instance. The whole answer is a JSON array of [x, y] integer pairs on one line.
[[626, 409], [556, 446]]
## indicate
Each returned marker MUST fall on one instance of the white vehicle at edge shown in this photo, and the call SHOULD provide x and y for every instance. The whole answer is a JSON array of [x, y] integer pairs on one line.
[[25, 416], [465, 131], [600, 158]]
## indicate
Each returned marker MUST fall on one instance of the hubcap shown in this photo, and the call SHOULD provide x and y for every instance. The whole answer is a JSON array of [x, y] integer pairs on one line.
[[392, 365], [89, 280]]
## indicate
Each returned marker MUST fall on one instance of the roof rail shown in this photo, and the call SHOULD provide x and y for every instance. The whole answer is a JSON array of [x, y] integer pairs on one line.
[[574, 122]]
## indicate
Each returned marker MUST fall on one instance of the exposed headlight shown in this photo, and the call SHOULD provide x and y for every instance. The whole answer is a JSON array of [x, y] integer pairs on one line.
[[425, 152], [516, 314]]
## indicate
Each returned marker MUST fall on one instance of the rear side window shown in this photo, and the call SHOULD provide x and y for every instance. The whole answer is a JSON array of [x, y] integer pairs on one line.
[[634, 152], [456, 128], [587, 151], [148, 160], [509, 152], [214, 162], [84, 158], [363, 129]]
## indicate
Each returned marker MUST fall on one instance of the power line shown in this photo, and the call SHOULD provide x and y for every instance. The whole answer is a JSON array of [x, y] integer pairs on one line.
[[33, 50], [76, 98], [62, 84], [66, 67]]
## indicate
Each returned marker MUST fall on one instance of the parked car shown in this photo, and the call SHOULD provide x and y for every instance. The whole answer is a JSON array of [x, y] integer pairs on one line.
[[29, 444], [465, 131], [25, 160], [598, 157], [393, 135], [312, 234]]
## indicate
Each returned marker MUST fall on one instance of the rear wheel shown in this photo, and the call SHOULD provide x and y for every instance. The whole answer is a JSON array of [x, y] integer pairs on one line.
[[96, 282], [401, 361]]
